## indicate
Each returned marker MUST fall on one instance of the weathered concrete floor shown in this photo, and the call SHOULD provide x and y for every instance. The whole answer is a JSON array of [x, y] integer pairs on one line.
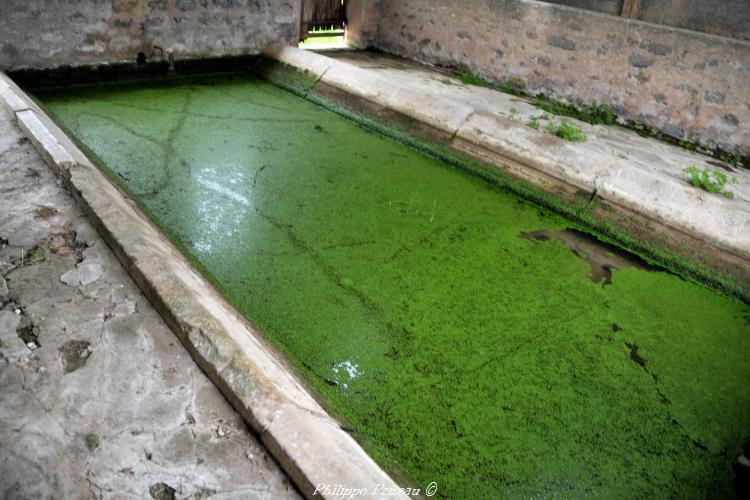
[[97, 396]]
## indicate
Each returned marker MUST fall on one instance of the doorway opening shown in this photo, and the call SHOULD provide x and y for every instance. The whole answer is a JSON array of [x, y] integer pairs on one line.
[[323, 24]]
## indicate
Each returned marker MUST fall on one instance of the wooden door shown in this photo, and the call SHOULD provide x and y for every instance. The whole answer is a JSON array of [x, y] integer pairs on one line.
[[322, 14]]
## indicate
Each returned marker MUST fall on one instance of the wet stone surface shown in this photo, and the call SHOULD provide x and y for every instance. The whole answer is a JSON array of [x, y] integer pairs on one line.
[[97, 397], [602, 258]]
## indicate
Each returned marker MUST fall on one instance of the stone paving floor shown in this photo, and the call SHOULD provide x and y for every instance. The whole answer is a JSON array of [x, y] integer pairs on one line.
[[97, 396]]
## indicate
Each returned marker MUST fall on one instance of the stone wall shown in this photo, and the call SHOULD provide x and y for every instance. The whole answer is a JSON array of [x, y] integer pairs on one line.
[[613, 7], [362, 22], [686, 84], [730, 18], [44, 33]]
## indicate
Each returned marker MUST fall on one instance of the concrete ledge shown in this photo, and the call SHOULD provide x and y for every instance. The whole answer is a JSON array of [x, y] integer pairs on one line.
[[309, 444], [407, 99], [640, 178], [10, 98], [44, 142], [589, 166]]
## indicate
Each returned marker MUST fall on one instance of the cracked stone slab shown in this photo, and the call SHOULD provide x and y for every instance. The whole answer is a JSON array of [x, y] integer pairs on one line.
[[12, 347], [90, 272], [84, 274], [71, 278], [124, 308], [74, 354], [110, 405]]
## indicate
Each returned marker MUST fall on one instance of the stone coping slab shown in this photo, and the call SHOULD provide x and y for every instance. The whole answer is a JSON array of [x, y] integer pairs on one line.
[[309, 444], [641, 176]]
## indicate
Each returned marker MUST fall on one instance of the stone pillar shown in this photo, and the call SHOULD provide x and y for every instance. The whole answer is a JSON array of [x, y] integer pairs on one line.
[[630, 8], [362, 22]]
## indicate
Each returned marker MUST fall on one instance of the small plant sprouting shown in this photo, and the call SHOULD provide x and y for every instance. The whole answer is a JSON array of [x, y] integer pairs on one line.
[[514, 85], [566, 131], [709, 180], [594, 113], [533, 123], [513, 114], [570, 132], [469, 77]]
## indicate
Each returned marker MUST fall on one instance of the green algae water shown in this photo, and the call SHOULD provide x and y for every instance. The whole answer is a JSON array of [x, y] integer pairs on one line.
[[432, 311]]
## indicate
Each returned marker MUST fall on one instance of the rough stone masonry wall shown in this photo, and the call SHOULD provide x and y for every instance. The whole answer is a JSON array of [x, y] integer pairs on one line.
[[730, 18], [50, 33], [686, 84]]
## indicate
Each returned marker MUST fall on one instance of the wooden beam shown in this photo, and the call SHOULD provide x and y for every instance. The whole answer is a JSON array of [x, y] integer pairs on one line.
[[630, 8]]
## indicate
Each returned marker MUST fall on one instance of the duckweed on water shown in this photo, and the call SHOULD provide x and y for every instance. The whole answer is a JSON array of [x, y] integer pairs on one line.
[[459, 351]]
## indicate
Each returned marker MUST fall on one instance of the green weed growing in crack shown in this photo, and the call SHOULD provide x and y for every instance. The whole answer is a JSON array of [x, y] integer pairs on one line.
[[594, 113], [470, 77], [566, 131], [709, 180], [533, 123], [36, 255], [514, 85]]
